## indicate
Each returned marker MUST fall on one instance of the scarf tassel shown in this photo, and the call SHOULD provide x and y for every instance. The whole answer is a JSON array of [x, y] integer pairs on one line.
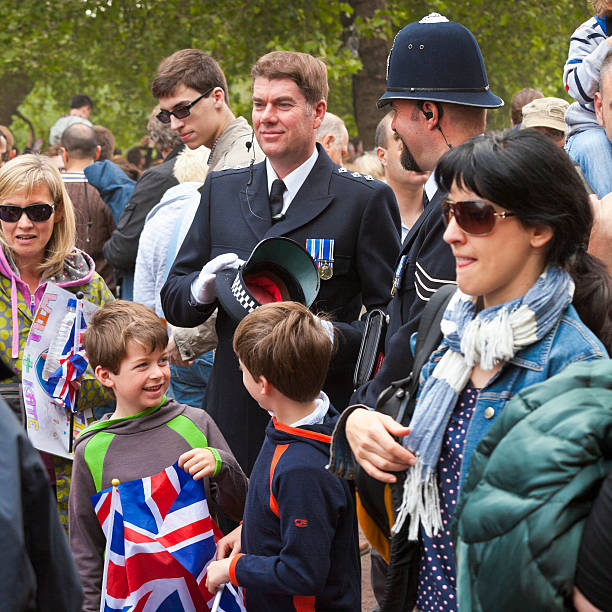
[[421, 502]]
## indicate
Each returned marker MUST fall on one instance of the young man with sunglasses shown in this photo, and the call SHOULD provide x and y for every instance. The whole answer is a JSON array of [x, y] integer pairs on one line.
[[194, 101]]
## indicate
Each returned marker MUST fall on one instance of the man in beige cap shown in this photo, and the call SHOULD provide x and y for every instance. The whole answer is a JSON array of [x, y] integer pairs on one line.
[[547, 115]]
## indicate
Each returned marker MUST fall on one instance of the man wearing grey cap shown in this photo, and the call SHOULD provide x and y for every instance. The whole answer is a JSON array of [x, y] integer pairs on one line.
[[547, 115]]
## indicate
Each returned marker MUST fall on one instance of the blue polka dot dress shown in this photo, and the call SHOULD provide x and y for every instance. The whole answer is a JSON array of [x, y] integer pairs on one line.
[[437, 575]]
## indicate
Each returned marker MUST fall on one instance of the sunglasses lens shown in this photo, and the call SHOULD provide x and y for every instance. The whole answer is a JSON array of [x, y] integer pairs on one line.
[[181, 112], [10, 214], [163, 116], [472, 217], [39, 212], [475, 217]]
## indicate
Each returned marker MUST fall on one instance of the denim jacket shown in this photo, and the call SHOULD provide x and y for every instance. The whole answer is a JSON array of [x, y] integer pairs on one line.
[[567, 342]]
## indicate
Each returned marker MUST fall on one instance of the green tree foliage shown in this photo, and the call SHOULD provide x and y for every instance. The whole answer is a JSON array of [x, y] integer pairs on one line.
[[109, 49]]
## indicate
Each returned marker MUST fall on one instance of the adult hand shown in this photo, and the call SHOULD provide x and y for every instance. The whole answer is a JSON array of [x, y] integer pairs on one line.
[[230, 545], [217, 574], [370, 435], [203, 287], [174, 355]]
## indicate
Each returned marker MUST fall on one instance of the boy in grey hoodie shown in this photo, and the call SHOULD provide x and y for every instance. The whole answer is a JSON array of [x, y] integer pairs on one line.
[[126, 346]]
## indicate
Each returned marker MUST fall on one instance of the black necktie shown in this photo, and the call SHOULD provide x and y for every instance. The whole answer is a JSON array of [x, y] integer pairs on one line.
[[276, 200]]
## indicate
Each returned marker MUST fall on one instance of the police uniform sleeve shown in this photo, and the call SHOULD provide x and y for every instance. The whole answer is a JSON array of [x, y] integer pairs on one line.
[[429, 267]]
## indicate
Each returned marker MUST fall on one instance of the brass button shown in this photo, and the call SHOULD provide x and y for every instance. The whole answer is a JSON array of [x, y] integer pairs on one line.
[[489, 413]]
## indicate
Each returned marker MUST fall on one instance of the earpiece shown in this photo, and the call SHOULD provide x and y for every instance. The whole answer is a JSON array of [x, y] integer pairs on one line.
[[428, 114], [249, 146]]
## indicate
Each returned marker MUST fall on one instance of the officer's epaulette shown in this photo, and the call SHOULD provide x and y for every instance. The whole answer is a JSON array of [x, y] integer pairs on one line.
[[228, 171], [365, 179]]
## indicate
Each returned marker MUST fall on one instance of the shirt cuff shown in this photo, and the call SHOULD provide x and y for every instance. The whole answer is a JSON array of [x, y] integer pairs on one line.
[[232, 569], [218, 462]]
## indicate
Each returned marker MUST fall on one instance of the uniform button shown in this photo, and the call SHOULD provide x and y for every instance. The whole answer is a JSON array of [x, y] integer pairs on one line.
[[489, 413]]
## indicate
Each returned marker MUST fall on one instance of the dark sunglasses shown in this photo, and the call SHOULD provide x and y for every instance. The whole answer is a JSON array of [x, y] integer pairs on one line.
[[474, 217], [181, 111], [36, 212]]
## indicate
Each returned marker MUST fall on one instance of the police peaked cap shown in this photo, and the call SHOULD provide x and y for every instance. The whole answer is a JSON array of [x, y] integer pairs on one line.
[[438, 60], [278, 269]]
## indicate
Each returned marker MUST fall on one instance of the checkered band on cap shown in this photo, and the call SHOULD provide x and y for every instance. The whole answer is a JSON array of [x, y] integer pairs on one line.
[[240, 292]]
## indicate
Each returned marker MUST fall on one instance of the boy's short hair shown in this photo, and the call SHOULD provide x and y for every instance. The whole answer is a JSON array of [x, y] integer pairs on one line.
[[306, 71], [285, 343], [117, 323], [191, 67]]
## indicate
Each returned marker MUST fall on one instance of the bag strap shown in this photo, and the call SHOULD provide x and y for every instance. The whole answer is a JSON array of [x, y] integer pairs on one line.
[[429, 337]]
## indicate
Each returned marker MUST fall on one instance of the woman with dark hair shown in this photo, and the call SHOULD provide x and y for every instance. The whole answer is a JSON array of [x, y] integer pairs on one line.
[[518, 221]]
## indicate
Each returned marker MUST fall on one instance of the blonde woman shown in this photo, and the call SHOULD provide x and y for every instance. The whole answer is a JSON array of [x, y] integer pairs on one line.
[[37, 233]]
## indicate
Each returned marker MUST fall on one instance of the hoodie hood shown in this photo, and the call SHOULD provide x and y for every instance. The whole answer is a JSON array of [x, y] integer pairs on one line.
[[150, 418], [317, 435], [114, 185], [179, 193], [78, 270]]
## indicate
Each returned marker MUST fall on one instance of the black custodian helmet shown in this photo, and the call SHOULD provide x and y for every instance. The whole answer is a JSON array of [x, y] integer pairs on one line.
[[440, 61]]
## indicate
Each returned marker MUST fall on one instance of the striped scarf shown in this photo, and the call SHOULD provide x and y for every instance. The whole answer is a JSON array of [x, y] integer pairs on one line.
[[486, 338]]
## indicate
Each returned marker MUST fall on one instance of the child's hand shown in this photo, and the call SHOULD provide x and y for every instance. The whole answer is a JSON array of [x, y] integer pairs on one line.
[[230, 545], [198, 462], [217, 574]]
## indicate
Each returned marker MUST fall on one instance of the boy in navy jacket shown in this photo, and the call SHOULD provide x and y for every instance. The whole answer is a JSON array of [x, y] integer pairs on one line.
[[297, 548]]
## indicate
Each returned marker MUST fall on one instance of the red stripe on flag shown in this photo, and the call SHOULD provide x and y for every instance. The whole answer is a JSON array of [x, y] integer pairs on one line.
[[104, 509], [186, 532], [116, 581], [163, 493]]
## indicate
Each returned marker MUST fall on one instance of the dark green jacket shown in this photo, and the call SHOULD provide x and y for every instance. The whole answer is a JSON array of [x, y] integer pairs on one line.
[[530, 486]]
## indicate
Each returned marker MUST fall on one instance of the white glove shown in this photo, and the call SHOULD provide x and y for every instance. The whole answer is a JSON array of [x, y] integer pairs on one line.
[[328, 327], [203, 287]]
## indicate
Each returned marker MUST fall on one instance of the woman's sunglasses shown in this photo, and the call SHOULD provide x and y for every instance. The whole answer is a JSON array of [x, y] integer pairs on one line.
[[36, 212], [474, 217]]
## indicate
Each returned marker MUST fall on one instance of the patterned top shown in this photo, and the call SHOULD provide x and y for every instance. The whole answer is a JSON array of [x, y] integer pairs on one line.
[[437, 575]]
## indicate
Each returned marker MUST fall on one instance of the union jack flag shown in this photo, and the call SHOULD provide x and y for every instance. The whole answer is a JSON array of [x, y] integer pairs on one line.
[[72, 362], [160, 539]]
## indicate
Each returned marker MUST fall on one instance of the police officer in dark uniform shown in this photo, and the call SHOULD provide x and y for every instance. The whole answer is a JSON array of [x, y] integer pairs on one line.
[[348, 222], [438, 89]]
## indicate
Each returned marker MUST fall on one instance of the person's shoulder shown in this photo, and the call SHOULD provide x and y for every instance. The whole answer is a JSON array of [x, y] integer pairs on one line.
[[352, 178], [227, 173], [574, 341]]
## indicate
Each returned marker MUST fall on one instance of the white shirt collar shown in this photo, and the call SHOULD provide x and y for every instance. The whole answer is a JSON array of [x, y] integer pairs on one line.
[[294, 180], [317, 415], [430, 186]]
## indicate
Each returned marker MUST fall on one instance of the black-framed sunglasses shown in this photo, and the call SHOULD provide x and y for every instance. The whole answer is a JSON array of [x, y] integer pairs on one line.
[[180, 112], [37, 213], [474, 217]]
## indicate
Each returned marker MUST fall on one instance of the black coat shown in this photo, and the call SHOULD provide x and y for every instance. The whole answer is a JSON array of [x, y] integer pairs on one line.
[[121, 248], [360, 214], [38, 572], [429, 264]]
